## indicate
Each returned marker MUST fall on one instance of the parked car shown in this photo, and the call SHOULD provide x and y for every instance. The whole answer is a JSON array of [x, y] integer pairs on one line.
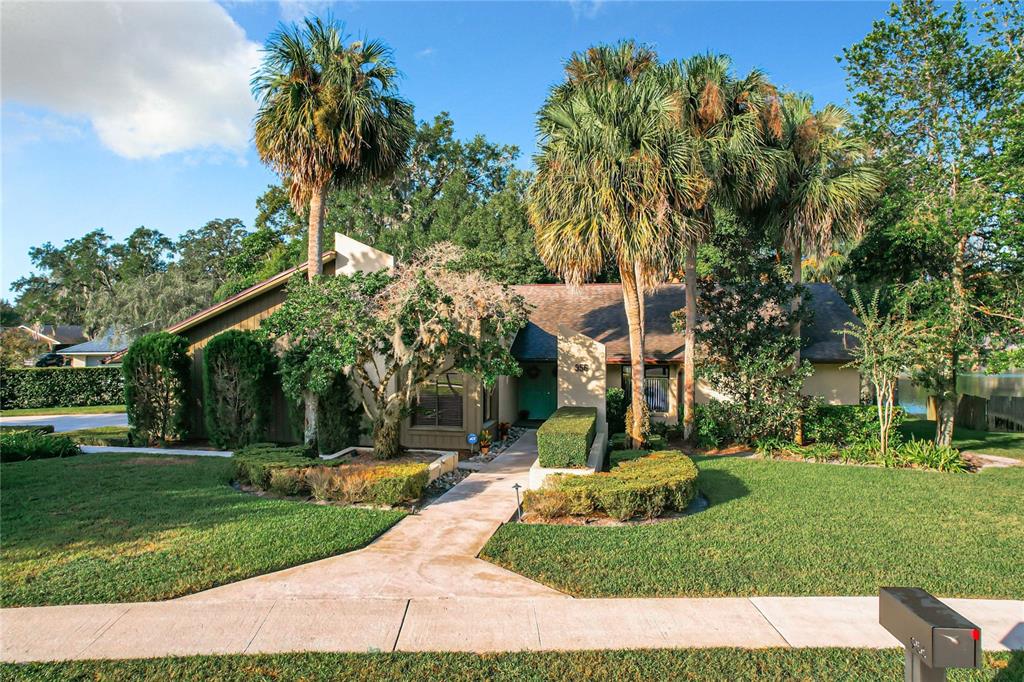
[[50, 360]]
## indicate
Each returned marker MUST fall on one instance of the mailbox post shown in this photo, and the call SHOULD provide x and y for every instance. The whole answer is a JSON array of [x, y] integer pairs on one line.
[[934, 636]]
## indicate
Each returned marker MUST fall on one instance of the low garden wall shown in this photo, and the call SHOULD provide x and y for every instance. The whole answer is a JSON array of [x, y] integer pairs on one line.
[[38, 387]]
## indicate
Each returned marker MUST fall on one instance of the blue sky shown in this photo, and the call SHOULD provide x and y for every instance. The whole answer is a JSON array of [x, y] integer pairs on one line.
[[152, 129]]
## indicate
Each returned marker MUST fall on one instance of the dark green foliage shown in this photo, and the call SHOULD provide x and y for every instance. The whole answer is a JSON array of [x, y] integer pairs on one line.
[[714, 420], [37, 428], [340, 418], [132, 528], [646, 486], [60, 387], [237, 371], [156, 369], [767, 519], [845, 424], [564, 440], [615, 404], [928, 455], [20, 445], [254, 464]]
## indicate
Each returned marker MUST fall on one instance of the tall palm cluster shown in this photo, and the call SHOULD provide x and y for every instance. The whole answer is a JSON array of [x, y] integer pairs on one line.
[[635, 156]]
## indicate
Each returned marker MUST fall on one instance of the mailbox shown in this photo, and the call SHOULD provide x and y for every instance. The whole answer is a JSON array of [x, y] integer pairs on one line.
[[932, 633]]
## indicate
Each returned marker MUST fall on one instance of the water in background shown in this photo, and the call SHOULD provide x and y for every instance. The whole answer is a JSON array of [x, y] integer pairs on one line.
[[913, 399]]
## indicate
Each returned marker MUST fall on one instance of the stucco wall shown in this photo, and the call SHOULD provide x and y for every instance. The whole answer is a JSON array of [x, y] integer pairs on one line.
[[582, 373], [838, 386], [355, 256]]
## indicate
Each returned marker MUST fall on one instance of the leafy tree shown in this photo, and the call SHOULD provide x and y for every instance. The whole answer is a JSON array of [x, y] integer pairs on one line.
[[237, 367], [329, 116], [16, 346], [9, 315], [941, 97], [887, 345], [395, 332], [156, 369], [728, 122], [204, 253], [609, 164]]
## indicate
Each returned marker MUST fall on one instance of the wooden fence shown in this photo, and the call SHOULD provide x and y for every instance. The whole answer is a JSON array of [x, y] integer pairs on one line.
[[995, 413]]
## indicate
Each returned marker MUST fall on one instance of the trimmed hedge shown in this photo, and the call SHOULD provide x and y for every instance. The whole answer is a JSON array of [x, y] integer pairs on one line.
[[18, 446], [292, 471], [60, 387], [156, 381], [845, 424], [564, 440], [237, 370], [646, 486]]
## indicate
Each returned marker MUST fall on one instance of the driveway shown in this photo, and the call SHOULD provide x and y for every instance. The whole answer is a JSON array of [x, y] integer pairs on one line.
[[69, 422]]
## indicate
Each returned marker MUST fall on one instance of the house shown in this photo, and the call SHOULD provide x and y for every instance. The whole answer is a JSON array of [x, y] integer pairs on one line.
[[55, 336], [96, 351], [573, 349]]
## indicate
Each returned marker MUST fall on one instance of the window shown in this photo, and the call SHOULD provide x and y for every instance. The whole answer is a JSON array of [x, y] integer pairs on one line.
[[655, 386], [440, 403]]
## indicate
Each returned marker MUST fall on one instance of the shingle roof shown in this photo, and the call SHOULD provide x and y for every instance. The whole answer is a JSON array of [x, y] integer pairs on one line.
[[596, 310], [60, 333], [110, 342]]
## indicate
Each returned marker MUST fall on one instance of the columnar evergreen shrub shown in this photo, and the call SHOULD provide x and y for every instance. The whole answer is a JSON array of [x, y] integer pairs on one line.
[[156, 369], [60, 387], [237, 371], [615, 404], [564, 440], [340, 417]]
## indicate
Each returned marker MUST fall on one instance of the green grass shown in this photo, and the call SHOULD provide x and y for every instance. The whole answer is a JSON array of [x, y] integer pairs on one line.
[[998, 443], [100, 435], [791, 528], [91, 409], [115, 528], [821, 665]]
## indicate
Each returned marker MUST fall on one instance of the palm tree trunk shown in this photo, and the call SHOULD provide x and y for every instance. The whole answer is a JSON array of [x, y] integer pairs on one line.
[[631, 302], [689, 385], [314, 252], [798, 255]]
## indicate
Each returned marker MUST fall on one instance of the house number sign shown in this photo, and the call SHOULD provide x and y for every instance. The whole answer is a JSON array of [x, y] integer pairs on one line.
[[581, 367]]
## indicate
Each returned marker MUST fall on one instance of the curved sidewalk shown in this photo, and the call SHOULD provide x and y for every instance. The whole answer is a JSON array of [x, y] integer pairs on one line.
[[420, 587]]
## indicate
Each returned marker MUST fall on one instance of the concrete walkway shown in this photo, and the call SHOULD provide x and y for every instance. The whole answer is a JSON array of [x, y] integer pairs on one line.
[[184, 627], [420, 587], [428, 554], [69, 422], [100, 449]]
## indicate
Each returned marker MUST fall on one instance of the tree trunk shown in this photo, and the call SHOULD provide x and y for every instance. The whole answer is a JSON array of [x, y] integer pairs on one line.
[[314, 252], [386, 433], [310, 405], [798, 434], [689, 380], [631, 301], [946, 417]]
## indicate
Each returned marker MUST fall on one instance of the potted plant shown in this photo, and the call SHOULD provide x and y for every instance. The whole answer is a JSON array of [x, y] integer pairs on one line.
[[485, 442], [503, 429]]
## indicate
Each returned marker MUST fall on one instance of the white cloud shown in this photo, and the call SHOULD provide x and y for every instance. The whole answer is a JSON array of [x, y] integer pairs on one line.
[[152, 78], [425, 52], [585, 9]]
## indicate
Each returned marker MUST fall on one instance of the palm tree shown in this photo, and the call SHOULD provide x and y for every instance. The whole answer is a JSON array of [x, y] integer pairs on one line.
[[729, 121], [329, 115], [609, 153], [827, 189]]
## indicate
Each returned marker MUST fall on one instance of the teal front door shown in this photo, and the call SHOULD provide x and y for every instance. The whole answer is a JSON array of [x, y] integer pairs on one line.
[[538, 390]]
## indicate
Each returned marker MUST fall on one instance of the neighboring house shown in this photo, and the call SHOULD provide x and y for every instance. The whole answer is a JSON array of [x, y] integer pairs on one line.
[[56, 336], [97, 351], [574, 348]]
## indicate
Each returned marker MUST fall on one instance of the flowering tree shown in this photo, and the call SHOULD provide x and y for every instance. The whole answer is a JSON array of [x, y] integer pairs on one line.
[[395, 332]]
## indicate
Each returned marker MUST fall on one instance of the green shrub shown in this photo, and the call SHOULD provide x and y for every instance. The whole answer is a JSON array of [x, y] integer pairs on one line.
[[713, 424], [392, 484], [645, 486], [254, 464], [617, 441], [928, 455], [237, 371], [18, 446], [615, 405], [156, 369], [564, 440], [289, 481], [844, 424], [339, 417], [60, 387], [38, 428]]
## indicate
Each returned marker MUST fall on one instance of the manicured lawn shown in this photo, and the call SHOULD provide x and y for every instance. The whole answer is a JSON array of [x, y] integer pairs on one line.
[[821, 665], [92, 409], [985, 442], [790, 528], [100, 435], [113, 528]]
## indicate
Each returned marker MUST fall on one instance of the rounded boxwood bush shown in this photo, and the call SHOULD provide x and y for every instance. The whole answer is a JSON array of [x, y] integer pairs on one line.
[[156, 369], [237, 371]]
